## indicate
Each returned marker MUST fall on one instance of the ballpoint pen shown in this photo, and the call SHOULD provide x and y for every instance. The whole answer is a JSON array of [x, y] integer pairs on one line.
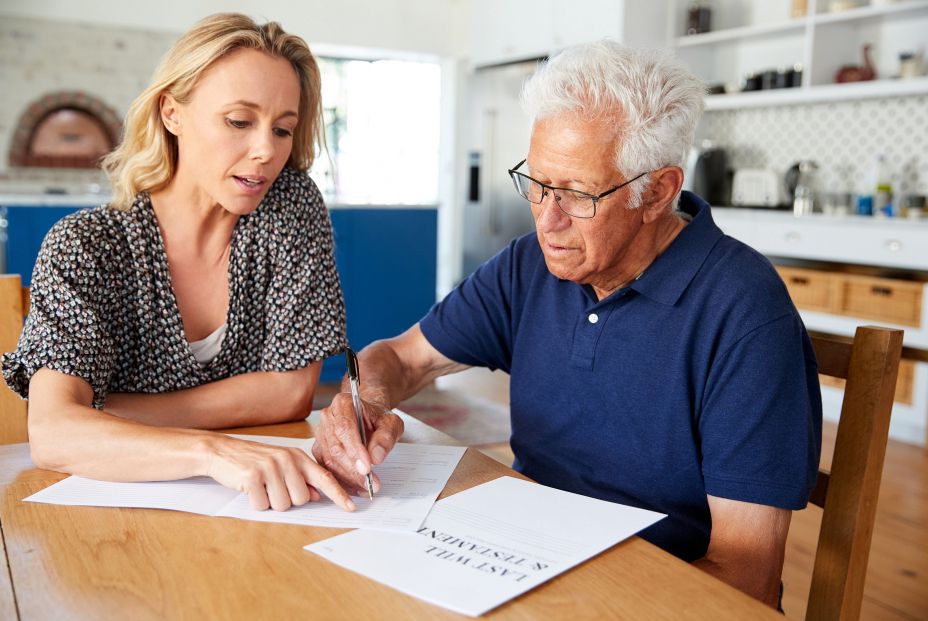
[[353, 379]]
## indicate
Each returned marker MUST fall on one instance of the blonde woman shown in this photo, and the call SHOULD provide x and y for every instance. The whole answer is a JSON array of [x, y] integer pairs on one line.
[[205, 295]]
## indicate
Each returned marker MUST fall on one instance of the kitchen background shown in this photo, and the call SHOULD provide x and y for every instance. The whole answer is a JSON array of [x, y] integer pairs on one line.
[[817, 107], [817, 113]]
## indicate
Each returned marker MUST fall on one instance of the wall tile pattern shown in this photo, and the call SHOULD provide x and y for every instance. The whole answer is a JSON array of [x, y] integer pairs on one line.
[[842, 137]]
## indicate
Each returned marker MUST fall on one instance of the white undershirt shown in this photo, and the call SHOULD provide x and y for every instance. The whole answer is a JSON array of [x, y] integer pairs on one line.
[[205, 350]]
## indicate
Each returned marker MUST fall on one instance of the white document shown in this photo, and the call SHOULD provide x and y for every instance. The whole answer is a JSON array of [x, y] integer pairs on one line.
[[411, 478], [486, 545]]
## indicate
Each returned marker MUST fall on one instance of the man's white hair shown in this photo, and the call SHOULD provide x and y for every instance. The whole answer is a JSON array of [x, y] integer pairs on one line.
[[652, 100]]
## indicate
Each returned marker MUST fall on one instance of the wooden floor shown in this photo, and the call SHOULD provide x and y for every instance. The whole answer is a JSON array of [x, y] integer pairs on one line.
[[897, 577]]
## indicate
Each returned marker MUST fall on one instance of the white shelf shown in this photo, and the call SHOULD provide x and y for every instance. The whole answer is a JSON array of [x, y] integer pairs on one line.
[[870, 12], [745, 32], [818, 93], [822, 42]]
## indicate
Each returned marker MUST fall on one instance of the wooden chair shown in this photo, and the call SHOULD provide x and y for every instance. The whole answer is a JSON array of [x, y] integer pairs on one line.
[[14, 305], [848, 495]]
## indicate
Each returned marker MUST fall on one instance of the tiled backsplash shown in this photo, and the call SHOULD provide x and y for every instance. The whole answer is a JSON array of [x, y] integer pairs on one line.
[[842, 137], [40, 56]]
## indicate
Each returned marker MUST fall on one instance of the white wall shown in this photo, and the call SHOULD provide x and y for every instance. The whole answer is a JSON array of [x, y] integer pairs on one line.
[[109, 49], [427, 26], [41, 56]]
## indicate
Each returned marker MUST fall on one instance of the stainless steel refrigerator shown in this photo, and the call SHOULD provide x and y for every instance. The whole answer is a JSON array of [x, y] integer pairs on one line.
[[496, 137]]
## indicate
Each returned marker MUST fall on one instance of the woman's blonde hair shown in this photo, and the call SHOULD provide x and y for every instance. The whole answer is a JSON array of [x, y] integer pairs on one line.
[[146, 159]]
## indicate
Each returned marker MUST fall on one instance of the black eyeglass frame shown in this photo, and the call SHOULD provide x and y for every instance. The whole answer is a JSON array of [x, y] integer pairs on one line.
[[593, 197]]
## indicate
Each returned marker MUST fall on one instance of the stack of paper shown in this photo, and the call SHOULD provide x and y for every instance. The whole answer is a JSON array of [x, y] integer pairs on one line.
[[486, 545]]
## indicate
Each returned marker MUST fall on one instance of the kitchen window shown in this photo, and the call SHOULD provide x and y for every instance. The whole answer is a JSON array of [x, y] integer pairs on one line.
[[382, 131]]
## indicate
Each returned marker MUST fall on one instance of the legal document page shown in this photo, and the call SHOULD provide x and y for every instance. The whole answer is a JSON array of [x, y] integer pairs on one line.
[[486, 545], [411, 478]]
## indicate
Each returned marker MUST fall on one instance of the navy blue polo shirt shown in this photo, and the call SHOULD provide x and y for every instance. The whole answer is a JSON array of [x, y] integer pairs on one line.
[[698, 378]]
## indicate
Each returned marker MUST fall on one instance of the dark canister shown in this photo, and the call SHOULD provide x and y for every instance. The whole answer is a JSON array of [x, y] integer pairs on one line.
[[698, 18], [768, 79], [751, 82]]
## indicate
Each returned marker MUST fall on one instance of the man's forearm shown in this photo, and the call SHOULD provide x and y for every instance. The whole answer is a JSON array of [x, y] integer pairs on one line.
[[747, 546], [746, 576], [388, 377], [383, 380], [258, 398]]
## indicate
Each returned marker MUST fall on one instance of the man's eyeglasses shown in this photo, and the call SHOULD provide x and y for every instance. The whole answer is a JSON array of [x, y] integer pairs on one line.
[[574, 203]]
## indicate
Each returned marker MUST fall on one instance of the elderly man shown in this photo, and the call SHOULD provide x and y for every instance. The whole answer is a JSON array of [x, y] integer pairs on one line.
[[653, 360]]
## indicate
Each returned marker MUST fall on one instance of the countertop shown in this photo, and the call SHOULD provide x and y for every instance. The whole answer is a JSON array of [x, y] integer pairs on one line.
[[53, 200], [82, 200], [783, 216]]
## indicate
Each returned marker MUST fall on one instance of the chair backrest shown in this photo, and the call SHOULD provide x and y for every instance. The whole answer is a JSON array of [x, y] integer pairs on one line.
[[849, 493], [14, 305]]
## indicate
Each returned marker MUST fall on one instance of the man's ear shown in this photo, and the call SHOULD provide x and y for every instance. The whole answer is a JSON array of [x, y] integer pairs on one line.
[[170, 113], [664, 185]]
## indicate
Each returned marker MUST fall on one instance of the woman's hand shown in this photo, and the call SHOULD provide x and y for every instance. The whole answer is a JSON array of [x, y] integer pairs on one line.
[[273, 476], [338, 444]]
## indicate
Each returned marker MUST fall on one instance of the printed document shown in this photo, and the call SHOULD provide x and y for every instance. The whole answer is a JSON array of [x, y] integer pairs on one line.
[[483, 546], [411, 478]]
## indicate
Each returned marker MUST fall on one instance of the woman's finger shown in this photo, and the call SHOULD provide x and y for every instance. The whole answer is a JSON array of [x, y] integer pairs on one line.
[[325, 482], [277, 492], [257, 494], [294, 480]]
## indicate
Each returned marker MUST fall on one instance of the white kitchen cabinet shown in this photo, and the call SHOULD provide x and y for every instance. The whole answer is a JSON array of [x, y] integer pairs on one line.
[[576, 22], [508, 30], [750, 36], [894, 243], [505, 31]]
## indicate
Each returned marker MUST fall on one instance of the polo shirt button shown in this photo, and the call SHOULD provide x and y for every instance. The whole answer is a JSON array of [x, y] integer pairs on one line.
[[593, 318]]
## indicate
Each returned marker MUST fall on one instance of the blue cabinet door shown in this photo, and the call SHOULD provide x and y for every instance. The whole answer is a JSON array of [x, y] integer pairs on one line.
[[26, 228], [386, 261], [387, 264]]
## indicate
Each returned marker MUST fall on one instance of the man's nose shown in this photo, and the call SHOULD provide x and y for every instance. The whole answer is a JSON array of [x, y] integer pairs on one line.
[[549, 215]]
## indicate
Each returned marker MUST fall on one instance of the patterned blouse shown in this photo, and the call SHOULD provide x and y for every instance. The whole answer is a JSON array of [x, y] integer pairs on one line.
[[103, 309]]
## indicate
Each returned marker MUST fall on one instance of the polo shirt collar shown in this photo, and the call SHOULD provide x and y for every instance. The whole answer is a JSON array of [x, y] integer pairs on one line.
[[666, 279]]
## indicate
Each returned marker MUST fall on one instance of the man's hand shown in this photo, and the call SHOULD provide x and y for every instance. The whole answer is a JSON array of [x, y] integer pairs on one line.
[[393, 369], [338, 444], [273, 476]]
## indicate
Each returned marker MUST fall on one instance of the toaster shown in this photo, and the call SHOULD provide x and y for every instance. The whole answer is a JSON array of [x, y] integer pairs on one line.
[[757, 188]]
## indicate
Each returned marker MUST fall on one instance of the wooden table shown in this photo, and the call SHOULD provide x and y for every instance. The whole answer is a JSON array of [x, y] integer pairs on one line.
[[105, 563]]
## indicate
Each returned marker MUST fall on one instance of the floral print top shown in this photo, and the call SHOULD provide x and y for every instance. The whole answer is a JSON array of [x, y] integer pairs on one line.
[[103, 309]]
